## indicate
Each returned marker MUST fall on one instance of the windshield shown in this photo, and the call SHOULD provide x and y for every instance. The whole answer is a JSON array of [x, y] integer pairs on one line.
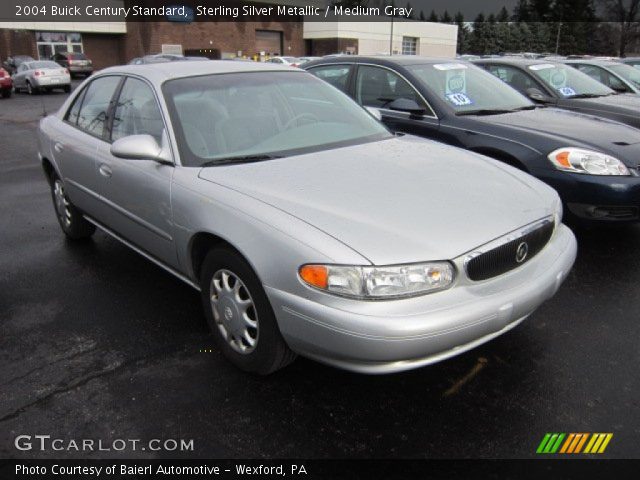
[[627, 72], [219, 118], [568, 81], [467, 88], [34, 65]]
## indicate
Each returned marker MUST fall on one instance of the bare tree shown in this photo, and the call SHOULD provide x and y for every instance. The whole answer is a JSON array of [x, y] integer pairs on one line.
[[626, 13]]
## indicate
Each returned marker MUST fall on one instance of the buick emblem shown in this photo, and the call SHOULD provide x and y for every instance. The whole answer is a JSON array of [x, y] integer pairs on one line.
[[521, 252], [228, 313]]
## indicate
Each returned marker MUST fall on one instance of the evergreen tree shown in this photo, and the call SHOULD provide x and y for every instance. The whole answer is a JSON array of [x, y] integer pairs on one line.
[[463, 33], [446, 18], [433, 17]]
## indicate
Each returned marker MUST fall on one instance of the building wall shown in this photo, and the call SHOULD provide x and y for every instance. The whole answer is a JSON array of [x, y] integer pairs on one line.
[[104, 50], [229, 38], [327, 46], [436, 39]]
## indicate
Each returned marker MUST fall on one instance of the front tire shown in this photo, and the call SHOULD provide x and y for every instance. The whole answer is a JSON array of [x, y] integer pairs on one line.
[[239, 314], [71, 221]]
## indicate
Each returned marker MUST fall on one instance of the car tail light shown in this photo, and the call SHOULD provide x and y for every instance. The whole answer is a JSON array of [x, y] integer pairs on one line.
[[37, 73], [66, 71]]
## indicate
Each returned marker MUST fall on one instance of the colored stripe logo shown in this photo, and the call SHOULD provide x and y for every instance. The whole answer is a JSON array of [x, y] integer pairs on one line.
[[574, 443]]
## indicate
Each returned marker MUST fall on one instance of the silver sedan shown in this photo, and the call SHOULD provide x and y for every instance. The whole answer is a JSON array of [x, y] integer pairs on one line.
[[41, 75], [306, 226]]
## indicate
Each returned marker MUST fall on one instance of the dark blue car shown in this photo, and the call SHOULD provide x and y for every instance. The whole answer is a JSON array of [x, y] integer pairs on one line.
[[591, 161]]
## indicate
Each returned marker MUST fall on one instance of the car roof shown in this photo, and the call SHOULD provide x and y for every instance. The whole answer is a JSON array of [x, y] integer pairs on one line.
[[160, 72], [385, 60], [521, 61], [592, 61]]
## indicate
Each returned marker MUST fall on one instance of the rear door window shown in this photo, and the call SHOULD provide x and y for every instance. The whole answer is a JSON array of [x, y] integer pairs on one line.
[[336, 75], [92, 116]]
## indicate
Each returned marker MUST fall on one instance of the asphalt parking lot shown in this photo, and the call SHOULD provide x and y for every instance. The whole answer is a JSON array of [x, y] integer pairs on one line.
[[98, 343]]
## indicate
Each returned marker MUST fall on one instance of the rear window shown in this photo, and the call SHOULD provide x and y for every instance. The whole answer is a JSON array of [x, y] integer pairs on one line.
[[77, 56]]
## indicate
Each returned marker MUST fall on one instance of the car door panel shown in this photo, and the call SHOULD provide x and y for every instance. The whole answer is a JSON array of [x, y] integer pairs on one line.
[[136, 194]]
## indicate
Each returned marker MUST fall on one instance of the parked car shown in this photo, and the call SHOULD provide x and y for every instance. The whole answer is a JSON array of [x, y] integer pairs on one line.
[[6, 84], [305, 224], [11, 64], [77, 63], [617, 76], [290, 61], [592, 162], [633, 61], [553, 83], [163, 58], [304, 60], [41, 75]]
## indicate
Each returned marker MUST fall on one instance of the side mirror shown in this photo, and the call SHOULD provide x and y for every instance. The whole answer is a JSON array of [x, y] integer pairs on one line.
[[536, 95], [140, 147], [375, 113], [406, 105]]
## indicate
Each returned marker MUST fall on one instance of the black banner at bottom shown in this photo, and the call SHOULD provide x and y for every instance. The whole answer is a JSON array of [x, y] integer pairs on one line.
[[320, 469]]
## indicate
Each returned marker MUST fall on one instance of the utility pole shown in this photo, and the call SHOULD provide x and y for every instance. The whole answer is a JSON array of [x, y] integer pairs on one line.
[[391, 38], [558, 38]]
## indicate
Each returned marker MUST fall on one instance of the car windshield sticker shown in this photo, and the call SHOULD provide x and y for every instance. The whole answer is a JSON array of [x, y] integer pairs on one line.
[[456, 87], [450, 66], [567, 91], [459, 99], [541, 66]]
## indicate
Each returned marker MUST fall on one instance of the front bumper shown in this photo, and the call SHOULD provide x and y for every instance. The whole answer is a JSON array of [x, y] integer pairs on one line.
[[597, 198], [396, 335]]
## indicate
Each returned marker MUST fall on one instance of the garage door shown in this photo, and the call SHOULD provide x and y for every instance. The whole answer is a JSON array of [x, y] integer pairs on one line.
[[269, 42]]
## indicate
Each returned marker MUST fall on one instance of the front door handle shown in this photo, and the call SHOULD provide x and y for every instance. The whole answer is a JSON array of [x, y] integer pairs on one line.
[[105, 171], [58, 147]]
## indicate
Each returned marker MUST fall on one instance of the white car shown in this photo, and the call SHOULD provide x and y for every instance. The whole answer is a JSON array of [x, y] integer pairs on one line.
[[290, 61], [41, 75]]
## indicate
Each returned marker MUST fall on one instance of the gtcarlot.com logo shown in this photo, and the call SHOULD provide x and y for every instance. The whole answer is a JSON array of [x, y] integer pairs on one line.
[[573, 443]]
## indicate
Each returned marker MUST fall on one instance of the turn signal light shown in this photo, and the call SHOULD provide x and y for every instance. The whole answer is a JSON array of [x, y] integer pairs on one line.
[[315, 275]]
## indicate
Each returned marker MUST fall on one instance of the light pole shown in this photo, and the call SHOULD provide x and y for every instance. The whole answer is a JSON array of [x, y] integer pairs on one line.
[[391, 38]]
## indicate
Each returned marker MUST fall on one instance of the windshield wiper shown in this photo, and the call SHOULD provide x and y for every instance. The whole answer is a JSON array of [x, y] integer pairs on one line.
[[239, 159], [485, 111], [586, 95]]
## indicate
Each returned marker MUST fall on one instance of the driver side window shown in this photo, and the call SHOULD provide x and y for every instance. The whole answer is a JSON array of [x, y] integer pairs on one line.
[[137, 112], [378, 87]]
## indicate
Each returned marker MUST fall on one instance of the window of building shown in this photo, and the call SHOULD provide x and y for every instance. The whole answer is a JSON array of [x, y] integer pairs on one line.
[[409, 46], [50, 43]]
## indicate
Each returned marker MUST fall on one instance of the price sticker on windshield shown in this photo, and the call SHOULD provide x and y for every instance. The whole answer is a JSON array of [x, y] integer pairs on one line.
[[567, 91], [459, 99]]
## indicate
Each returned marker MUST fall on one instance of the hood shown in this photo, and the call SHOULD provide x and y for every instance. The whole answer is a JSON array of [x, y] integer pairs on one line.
[[626, 101], [549, 128], [400, 200]]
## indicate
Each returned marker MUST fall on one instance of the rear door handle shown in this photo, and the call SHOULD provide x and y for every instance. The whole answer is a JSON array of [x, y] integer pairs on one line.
[[58, 147], [105, 171]]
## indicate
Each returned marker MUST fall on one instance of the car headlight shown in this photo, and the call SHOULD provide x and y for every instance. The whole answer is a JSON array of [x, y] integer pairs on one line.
[[578, 160], [378, 283]]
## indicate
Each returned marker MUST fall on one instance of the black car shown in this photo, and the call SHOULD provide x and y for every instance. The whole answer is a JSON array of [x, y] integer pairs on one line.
[[591, 161], [554, 83], [616, 75], [77, 63]]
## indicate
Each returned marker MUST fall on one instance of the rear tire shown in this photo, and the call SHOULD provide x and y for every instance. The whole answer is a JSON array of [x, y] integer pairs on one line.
[[67, 88], [6, 92], [32, 90], [239, 314], [71, 221]]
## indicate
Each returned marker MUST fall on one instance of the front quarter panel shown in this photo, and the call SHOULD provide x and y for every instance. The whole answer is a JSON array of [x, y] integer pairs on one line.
[[275, 243]]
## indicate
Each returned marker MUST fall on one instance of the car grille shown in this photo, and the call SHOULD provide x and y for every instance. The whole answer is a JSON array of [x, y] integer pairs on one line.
[[506, 257]]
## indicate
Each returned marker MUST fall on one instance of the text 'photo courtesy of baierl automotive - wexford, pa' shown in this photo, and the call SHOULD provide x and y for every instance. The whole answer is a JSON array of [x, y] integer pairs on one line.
[[324, 239]]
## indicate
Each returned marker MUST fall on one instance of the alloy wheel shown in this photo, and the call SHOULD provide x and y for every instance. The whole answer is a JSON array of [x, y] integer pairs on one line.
[[234, 311], [61, 204]]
